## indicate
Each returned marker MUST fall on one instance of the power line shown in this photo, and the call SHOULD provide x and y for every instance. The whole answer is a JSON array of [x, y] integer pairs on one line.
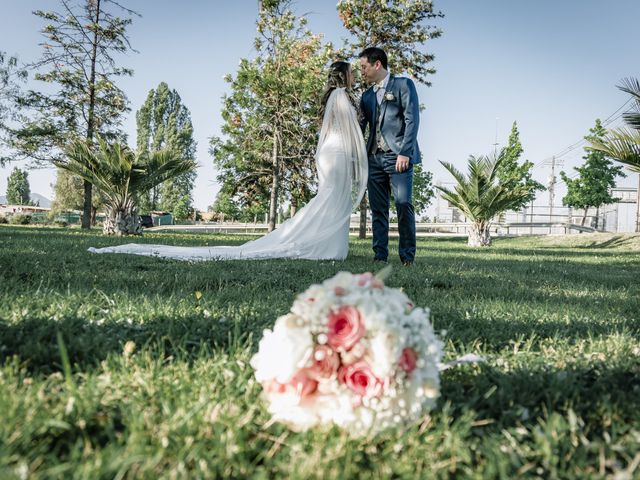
[[605, 123]]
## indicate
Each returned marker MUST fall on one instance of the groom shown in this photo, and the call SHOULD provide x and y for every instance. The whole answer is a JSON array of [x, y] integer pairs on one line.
[[390, 108]]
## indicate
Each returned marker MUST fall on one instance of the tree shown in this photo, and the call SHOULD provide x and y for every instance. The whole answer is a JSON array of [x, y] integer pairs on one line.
[[271, 115], [78, 57], [122, 175], [68, 194], [18, 191], [397, 26], [480, 196], [10, 77], [595, 178], [423, 191], [512, 174], [164, 122], [623, 144], [227, 207]]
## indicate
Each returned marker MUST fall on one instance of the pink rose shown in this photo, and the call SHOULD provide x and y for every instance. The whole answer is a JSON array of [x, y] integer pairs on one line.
[[360, 379], [340, 291], [301, 385], [408, 360], [271, 386], [364, 278], [325, 363], [346, 327], [367, 279]]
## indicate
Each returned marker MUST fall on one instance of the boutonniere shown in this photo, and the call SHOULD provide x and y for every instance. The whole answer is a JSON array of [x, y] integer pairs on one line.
[[389, 97]]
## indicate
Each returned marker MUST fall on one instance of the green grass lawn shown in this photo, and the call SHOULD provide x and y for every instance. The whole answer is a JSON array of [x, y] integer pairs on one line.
[[558, 320]]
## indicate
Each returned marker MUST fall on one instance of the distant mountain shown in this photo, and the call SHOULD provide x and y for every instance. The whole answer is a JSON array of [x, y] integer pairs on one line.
[[44, 202]]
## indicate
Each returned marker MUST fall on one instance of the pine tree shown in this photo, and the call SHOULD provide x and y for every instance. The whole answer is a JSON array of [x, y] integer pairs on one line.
[[18, 191], [164, 122], [592, 187], [398, 27], [78, 61], [11, 75], [271, 115], [512, 174]]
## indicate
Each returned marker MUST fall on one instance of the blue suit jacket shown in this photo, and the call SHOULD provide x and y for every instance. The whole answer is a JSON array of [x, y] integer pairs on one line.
[[400, 117]]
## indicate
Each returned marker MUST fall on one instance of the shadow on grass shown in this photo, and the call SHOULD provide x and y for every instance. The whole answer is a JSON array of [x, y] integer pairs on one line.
[[496, 334], [34, 340], [596, 391]]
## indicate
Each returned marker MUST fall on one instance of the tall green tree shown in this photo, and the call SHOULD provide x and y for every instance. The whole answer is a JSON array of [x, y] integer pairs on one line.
[[592, 187], [79, 64], [121, 175], [11, 75], [164, 121], [623, 144], [401, 28], [266, 153], [480, 196], [18, 191], [68, 194], [512, 173]]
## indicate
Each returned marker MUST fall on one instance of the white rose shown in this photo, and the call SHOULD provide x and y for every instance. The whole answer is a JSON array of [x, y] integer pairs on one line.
[[282, 352], [384, 352]]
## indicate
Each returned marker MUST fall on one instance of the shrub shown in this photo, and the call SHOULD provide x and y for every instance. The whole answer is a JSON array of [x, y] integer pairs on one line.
[[3, 219], [21, 219]]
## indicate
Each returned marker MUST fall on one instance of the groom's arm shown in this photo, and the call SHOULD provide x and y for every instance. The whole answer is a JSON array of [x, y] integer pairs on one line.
[[411, 109]]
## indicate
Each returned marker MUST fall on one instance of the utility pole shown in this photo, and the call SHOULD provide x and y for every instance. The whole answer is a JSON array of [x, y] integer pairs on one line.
[[437, 219], [552, 183], [495, 145], [638, 205]]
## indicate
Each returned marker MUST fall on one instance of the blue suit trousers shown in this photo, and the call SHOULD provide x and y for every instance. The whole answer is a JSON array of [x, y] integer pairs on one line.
[[384, 180]]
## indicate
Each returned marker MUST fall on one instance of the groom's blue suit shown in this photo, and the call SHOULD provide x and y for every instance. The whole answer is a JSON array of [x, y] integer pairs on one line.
[[399, 120]]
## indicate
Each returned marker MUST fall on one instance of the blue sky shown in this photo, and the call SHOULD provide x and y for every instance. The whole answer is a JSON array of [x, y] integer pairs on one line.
[[552, 66]]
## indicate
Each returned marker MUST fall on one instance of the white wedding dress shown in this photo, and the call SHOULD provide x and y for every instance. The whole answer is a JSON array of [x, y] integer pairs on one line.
[[319, 230]]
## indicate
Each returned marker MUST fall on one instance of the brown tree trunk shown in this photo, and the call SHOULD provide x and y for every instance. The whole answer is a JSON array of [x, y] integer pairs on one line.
[[362, 232], [584, 217], [86, 218], [275, 182]]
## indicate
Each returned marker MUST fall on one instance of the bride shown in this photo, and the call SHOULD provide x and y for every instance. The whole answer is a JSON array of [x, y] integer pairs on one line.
[[319, 230]]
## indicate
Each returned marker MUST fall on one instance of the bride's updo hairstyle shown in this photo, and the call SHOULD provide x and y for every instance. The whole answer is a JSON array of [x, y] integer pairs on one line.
[[337, 78]]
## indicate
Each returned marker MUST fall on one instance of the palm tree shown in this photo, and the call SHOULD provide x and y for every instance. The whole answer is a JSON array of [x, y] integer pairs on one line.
[[121, 175], [480, 196], [623, 144]]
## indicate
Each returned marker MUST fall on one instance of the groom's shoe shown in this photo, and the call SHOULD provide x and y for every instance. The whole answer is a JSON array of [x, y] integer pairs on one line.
[[407, 263], [382, 261]]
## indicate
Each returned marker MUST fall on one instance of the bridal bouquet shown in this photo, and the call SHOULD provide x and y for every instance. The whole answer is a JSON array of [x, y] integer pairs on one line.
[[352, 352]]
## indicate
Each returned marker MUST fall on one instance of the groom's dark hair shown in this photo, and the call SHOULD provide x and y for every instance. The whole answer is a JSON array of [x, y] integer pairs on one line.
[[373, 54]]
